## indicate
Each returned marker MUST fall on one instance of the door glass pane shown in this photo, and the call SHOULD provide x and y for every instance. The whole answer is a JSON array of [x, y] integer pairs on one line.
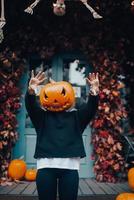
[[75, 74]]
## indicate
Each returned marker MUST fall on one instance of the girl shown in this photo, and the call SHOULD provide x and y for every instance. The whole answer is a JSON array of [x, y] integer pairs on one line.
[[59, 144]]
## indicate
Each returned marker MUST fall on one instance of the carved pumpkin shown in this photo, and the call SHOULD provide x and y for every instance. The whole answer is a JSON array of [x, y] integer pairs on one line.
[[57, 96], [125, 196], [131, 178], [30, 174], [17, 169]]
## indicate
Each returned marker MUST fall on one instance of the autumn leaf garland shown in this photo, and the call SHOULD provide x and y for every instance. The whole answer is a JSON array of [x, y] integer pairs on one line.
[[107, 127], [9, 104]]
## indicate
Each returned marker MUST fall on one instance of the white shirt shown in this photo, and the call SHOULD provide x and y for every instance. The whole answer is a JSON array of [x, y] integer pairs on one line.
[[64, 163]]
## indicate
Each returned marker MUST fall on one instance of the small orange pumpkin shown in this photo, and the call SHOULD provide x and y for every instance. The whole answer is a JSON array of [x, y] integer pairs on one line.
[[57, 96], [131, 178], [125, 196], [17, 169], [30, 174]]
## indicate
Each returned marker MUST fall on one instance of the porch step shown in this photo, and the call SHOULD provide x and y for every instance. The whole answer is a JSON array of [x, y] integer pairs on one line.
[[92, 197], [89, 189]]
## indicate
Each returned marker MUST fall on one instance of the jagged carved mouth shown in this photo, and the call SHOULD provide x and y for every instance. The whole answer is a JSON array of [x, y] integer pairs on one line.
[[58, 105]]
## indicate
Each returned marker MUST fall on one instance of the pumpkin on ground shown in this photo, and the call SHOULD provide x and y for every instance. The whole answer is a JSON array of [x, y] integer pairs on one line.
[[131, 178], [125, 196], [30, 174], [17, 169], [57, 96]]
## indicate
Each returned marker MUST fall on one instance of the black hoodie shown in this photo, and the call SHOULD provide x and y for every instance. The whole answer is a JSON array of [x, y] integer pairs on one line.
[[59, 134]]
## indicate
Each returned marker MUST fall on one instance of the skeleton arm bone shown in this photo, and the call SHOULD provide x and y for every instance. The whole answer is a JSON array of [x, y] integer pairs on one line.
[[2, 18], [31, 7], [94, 13]]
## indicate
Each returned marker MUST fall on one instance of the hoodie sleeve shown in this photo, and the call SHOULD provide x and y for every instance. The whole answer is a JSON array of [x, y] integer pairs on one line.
[[34, 110], [87, 112]]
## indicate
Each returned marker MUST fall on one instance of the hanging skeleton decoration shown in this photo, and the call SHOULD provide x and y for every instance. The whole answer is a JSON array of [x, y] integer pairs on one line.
[[31, 7], [59, 8], [2, 21], [1, 35], [132, 7], [94, 13], [132, 3]]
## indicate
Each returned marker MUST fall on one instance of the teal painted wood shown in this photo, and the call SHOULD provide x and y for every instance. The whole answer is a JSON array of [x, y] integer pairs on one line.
[[30, 141], [19, 149], [57, 64]]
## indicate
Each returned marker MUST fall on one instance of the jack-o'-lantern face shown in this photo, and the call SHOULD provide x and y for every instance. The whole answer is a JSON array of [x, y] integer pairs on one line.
[[57, 96]]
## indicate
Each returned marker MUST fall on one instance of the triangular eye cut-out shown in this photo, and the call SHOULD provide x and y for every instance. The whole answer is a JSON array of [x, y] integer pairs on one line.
[[46, 97], [63, 92]]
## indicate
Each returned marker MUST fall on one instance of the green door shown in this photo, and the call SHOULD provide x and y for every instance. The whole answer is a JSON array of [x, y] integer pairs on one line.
[[62, 67]]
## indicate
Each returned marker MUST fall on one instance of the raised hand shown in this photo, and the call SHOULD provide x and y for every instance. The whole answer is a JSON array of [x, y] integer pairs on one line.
[[36, 80], [93, 81]]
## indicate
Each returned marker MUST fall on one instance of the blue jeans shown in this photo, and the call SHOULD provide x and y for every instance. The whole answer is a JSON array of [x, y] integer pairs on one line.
[[48, 179]]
